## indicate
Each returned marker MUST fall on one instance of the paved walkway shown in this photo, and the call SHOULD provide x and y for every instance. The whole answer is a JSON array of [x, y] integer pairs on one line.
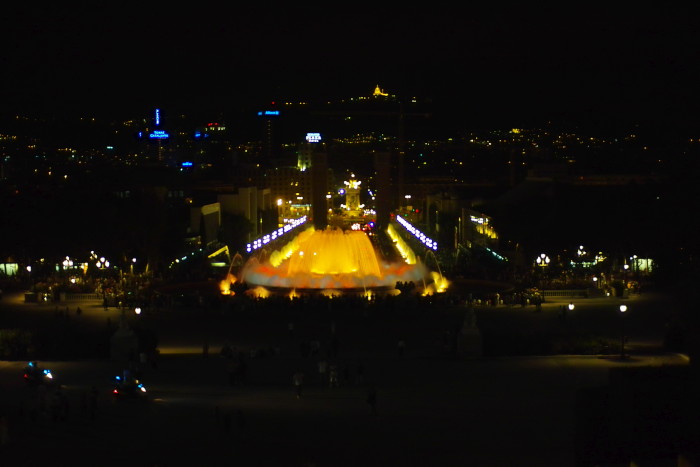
[[432, 410]]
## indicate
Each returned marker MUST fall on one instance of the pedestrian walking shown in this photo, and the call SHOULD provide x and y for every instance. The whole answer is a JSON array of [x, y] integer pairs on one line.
[[360, 373], [242, 370], [333, 376], [83, 402], [4, 431], [232, 372], [322, 369], [401, 347], [334, 347], [241, 421], [92, 403], [304, 349], [315, 347], [227, 421], [298, 381], [372, 400]]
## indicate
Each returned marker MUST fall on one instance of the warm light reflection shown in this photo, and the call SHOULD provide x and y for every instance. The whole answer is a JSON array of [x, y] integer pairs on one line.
[[329, 260], [226, 284]]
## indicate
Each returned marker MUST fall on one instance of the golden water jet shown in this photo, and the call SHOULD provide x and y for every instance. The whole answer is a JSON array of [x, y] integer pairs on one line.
[[331, 259]]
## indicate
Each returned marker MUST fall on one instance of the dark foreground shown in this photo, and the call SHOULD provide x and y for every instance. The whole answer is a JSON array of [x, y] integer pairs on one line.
[[432, 407]]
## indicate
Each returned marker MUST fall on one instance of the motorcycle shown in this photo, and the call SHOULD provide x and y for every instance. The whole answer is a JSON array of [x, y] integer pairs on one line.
[[126, 386], [34, 374]]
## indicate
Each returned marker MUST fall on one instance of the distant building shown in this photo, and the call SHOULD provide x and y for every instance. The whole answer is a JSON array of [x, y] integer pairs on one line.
[[249, 202], [270, 117]]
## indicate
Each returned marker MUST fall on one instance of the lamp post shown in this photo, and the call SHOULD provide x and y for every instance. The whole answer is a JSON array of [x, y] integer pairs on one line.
[[542, 260], [279, 213], [623, 310], [102, 264]]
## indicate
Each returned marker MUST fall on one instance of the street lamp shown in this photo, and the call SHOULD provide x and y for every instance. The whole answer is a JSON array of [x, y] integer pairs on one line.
[[67, 263], [542, 260], [571, 307], [623, 309]]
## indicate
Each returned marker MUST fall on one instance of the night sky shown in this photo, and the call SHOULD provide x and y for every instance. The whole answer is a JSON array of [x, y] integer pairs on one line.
[[501, 64]]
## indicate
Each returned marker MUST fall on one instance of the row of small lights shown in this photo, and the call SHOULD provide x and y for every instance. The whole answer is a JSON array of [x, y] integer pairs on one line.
[[264, 240], [184, 258], [417, 233], [544, 260]]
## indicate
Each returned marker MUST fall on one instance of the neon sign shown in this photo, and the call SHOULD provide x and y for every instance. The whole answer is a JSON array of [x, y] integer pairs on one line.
[[157, 117], [313, 137], [159, 134], [269, 112], [187, 164]]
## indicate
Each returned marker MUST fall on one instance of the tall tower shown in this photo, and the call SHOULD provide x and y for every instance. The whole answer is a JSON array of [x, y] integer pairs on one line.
[[382, 168], [319, 181], [270, 118], [155, 135]]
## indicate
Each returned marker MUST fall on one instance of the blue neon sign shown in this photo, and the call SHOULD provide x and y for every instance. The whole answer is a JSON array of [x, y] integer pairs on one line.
[[157, 117], [159, 134], [269, 112]]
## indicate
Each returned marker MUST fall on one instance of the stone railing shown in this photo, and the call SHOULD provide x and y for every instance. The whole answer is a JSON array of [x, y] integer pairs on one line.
[[79, 297], [566, 293]]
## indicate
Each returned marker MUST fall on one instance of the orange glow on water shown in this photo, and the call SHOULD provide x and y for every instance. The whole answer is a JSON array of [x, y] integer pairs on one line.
[[332, 260], [225, 285]]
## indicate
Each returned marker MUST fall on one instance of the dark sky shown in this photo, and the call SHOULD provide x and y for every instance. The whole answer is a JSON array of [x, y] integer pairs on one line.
[[505, 62]]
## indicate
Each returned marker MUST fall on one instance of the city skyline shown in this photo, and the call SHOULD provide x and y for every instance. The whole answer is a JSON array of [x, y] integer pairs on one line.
[[486, 66]]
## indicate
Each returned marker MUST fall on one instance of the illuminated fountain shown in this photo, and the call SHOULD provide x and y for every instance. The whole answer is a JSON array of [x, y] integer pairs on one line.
[[331, 260], [334, 260]]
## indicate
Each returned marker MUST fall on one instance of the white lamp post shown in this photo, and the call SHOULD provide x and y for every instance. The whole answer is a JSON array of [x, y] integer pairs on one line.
[[623, 310]]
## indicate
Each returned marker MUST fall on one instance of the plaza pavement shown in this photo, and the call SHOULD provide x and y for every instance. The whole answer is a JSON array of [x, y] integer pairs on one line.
[[432, 410]]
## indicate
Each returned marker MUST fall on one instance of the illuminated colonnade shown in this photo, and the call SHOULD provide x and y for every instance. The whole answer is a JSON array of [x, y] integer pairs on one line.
[[275, 234], [428, 242]]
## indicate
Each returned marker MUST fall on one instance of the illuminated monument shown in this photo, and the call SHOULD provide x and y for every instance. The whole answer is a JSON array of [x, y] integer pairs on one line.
[[379, 93]]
